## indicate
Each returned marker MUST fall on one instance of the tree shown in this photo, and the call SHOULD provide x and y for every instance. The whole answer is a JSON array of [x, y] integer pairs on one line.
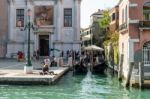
[[104, 22], [101, 28]]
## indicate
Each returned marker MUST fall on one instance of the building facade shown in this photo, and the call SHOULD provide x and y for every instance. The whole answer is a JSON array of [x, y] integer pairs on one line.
[[88, 34], [134, 33], [3, 27], [114, 19], [95, 17], [57, 22], [86, 37]]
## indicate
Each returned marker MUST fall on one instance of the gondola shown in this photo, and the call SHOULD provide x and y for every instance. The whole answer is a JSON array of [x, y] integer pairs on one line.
[[80, 68], [100, 68]]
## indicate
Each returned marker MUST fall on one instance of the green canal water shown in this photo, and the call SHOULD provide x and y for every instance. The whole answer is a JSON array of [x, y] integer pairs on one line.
[[75, 87]]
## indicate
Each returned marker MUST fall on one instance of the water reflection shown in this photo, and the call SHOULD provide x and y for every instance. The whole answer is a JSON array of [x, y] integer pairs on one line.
[[76, 87]]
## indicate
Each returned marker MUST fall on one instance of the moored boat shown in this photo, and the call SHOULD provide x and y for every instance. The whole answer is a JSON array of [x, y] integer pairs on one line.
[[99, 68], [80, 68]]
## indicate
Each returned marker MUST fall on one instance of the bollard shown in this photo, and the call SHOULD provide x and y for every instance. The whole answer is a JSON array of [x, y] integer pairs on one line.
[[129, 74], [58, 63], [70, 61]]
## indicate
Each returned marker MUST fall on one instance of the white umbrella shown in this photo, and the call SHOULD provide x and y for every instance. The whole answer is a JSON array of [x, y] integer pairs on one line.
[[94, 48]]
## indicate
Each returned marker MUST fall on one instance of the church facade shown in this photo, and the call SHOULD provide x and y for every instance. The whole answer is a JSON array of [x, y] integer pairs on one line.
[[57, 25]]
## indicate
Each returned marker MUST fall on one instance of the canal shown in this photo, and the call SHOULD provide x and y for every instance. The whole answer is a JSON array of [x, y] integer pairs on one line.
[[75, 87]]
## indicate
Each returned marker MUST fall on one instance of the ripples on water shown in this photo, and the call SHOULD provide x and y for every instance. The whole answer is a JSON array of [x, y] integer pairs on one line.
[[75, 87]]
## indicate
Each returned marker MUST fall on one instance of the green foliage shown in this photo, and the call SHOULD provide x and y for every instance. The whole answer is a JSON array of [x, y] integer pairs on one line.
[[104, 22], [111, 38], [116, 55], [99, 29]]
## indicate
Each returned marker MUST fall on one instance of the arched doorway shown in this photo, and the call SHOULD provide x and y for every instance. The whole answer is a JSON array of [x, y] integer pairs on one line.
[[146, 53]]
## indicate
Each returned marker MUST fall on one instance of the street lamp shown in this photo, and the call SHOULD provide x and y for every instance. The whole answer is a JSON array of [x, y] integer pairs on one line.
[[28, 68]]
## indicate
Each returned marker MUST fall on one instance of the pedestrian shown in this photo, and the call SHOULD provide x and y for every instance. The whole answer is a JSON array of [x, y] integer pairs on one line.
[[37, 54], [62, 54], [34, 55]]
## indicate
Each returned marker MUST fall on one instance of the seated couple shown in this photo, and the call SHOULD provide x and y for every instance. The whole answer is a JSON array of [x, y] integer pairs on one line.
[[46, 65]]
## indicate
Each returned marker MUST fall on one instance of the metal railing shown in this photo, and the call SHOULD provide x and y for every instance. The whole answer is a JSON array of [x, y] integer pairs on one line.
[[144, 24]]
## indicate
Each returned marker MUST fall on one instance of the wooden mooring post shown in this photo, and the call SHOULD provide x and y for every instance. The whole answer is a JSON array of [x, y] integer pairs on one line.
[[141, 74], [131, 65], [120, 68]]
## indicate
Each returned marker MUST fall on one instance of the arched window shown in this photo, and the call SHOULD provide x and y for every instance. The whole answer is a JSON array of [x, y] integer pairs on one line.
[[146, 53], [146, 11]]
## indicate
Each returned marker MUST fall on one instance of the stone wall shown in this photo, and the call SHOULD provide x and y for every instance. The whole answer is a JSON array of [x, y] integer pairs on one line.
[[3, 26]]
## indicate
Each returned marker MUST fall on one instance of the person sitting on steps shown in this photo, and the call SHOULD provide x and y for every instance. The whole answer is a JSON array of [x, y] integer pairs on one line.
[[46, 65]]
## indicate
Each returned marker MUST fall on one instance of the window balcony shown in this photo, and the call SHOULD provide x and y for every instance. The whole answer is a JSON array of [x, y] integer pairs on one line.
[[144, 24], [123, 26]]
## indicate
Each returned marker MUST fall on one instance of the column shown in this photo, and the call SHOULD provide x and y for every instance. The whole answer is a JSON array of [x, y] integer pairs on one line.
[[11, 20], [77, 20], [59, 19], [55, 20], [50, 45]]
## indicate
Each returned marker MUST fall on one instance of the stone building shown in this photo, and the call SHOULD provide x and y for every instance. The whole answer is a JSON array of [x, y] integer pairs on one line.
[[3, 27], [58, 23], [88, 34], [134, 30], [114, 19]]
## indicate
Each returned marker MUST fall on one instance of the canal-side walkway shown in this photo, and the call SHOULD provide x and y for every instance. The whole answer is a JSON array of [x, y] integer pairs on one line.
[[12, 72], [19, 77]]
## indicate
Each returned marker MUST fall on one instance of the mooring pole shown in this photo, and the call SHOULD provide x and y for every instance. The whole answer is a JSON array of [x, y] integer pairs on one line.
[[131, 65], [120, 68], [141, 74]]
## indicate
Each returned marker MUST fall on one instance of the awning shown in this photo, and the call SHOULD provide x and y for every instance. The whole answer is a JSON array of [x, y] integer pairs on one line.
[[94, 48], [87, 37]]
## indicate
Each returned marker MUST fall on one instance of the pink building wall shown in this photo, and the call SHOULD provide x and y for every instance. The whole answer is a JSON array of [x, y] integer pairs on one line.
[[132, 38]]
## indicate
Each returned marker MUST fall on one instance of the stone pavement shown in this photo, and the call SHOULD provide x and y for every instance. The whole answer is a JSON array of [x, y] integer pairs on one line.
[[11, 72], [14, 64]]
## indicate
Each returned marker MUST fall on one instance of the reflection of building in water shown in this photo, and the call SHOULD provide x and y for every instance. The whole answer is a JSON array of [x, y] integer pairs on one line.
[[59, 22]]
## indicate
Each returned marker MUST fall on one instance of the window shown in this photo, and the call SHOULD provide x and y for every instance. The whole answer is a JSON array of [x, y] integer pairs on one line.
[[20, 17], [67, 17], [113, 16], [147, 17], [146, 11]]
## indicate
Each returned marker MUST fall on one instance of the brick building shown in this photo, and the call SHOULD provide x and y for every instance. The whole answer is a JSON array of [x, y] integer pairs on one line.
[[134, 33]]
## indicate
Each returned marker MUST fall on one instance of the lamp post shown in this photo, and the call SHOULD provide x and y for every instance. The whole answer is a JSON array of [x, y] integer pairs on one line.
[[28, 68]]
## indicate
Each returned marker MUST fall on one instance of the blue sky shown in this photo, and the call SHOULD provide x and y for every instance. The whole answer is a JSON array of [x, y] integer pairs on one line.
[[90, 6]]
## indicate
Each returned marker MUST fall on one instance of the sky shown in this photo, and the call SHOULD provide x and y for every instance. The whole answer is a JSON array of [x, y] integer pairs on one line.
[[90, 6]]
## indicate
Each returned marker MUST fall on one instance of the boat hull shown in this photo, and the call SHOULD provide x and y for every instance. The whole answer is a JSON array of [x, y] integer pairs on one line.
[[100, 68], [80, 69]]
